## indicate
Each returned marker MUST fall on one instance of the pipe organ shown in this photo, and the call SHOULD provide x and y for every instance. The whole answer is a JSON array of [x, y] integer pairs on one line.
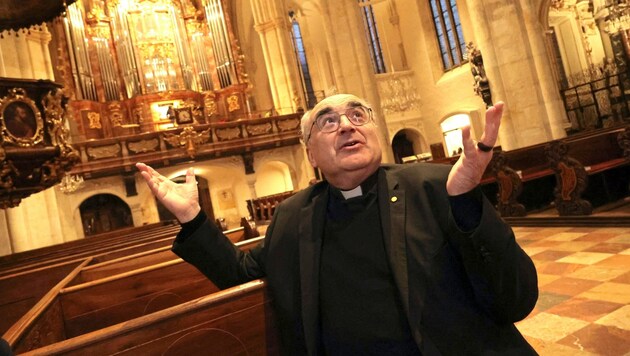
[[131, 64]]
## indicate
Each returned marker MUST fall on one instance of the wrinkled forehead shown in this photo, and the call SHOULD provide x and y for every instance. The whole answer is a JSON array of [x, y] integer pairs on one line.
[[336, 103]]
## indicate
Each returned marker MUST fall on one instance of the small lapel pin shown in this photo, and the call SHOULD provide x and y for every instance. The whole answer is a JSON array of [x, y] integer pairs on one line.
[[394, 199]]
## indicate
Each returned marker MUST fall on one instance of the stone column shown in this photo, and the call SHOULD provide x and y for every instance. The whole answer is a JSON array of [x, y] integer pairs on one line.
[[549, 88], [6, 247], [251, 184], [271, 23], [517, 66], [35, 222]]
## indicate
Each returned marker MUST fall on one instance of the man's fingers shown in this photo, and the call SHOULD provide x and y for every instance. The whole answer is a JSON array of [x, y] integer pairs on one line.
[[190, 176], [467, 142], [493, 121]]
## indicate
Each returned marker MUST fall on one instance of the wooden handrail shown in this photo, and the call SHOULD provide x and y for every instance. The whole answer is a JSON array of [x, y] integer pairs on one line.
[[80, 255]]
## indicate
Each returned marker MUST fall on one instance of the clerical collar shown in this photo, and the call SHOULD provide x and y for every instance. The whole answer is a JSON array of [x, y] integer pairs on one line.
[[366, 186], [352, 192]]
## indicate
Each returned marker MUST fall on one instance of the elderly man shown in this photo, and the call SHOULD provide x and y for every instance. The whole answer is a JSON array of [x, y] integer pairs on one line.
[[377, 259]]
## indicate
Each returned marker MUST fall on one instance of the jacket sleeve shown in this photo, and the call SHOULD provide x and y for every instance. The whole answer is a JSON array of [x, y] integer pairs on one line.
[[502, 275], [212, 253]]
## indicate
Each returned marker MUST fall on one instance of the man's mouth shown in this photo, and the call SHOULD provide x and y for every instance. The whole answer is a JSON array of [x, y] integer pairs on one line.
[[350, 144]]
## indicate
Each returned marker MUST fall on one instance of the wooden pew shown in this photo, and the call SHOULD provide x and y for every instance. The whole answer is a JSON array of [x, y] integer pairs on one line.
[[235, 235], [235, 321], [42, 324], [79, 249], [22, 286], [261, 209], [83, 244], [590, 170], [525, 180], [77, 308], [93, 305], [503, 182], [556, 174], [21, 292]]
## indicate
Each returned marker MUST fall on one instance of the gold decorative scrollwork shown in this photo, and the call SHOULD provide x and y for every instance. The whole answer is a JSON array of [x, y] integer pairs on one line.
[[228, 133], [211, 106], [53, 108], [233, 102], [115, 116], [143, 146], [20, 120], [288, 124], [7, 171], [101, 152], [157, 50], [94, 120], [138, 114], [260, 129], [188, 138]]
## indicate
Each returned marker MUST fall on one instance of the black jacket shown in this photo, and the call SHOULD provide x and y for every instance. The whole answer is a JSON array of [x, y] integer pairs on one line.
[[462, 292]]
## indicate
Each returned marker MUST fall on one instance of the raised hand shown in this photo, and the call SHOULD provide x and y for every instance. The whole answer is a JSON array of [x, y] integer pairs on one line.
[[468, 170], [180, 199]]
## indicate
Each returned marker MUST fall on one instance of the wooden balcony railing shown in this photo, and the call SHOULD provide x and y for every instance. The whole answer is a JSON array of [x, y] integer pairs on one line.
[[117, 155]]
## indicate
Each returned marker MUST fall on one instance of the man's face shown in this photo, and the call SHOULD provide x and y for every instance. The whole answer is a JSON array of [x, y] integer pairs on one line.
[[20, 112], [350, 151]]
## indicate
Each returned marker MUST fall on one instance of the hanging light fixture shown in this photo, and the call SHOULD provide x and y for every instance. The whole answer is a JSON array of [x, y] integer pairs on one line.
[[70, 183], [557, 4], [618, 18]]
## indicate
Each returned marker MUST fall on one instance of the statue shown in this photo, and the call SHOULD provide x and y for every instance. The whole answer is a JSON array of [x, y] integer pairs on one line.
[[481, 86]]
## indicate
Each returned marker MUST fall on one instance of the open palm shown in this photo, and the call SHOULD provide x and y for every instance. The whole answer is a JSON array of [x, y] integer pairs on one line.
[[180, 199]]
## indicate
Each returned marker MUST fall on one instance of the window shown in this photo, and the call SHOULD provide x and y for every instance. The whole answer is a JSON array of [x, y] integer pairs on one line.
[[376, 52], [449, 32], [300, 53]]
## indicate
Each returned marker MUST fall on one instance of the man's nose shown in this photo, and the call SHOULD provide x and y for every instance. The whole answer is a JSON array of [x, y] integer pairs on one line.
[[344, 123]]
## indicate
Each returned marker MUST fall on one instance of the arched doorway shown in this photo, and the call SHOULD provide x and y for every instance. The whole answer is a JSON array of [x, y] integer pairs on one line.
[[406, 142], [104, 212], [402, 146]]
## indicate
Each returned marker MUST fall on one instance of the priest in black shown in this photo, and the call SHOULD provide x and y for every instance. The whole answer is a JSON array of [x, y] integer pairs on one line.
[[376, 259]]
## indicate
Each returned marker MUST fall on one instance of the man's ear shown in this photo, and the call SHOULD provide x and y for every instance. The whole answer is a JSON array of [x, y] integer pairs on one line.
[[311, 158]]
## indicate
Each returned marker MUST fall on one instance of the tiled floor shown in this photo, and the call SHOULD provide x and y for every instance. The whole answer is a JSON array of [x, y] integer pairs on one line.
[[584, 281], [584, 284]]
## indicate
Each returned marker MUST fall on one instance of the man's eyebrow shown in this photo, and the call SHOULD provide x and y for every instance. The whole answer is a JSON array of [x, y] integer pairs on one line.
[[350, 104], [323, 111]]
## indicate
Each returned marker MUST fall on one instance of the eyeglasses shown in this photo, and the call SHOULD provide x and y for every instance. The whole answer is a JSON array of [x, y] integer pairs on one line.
[[330, 121]]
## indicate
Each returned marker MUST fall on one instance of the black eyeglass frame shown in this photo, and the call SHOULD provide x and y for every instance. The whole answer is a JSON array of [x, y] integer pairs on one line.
[[345, 113]]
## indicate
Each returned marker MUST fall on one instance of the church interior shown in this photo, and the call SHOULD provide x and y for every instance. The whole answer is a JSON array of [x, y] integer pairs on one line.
[[88, 88]]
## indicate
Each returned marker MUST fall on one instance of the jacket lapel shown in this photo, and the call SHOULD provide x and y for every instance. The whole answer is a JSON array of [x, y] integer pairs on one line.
[[311, 231], [391, 201]]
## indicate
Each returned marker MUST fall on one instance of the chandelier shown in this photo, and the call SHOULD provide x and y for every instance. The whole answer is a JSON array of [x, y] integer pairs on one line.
[[70, 183], [557, 4], [618, 18]]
